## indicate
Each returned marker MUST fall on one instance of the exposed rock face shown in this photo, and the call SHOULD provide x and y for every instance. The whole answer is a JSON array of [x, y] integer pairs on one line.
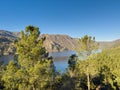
[[6, 39], [6, 36], [53, 43], [58, 42]]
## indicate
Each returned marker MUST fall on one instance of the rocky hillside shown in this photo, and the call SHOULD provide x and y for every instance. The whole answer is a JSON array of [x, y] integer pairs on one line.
[[60, 42], [6, 36], [53, 43], [110, 44], [56, 43], [6, 39], [64, 42]]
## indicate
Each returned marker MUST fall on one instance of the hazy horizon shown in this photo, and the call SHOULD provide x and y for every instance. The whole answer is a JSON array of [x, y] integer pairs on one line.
[[99, 18]]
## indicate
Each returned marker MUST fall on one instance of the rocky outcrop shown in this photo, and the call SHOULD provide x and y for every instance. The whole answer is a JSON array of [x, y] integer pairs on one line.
[[6, 36], [59, 42], [6, 42]]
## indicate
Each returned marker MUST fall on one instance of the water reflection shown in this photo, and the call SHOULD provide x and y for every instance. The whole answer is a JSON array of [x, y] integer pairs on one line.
[[61, 59]]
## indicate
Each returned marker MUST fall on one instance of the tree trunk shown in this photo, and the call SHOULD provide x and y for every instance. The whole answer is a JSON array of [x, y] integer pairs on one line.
[[88, 79]]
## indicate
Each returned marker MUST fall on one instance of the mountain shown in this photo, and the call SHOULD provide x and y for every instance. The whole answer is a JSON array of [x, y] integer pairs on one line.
[[6, 36], [53, 43], [6, 39], [110, 44], [59, 42]]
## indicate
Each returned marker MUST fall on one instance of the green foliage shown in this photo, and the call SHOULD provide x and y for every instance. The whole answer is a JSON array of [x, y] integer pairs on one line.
[[103, 69], [41, 74], [72, 62], [72, 65], [33, 69], [30, 48], [9, 76], [87, 44]]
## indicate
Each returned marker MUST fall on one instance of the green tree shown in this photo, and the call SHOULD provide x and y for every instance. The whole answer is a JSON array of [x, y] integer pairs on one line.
[[72, 62], [87, 45], [35, 67], [30, 47], [10, 81]]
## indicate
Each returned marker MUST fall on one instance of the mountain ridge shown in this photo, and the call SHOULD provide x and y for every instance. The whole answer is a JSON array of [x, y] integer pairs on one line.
[[53, 42]]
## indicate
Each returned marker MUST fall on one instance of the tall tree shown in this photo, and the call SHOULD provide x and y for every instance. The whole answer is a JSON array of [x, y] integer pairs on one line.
[[35, 67], [72, 65], [87, 45], [30, 47]]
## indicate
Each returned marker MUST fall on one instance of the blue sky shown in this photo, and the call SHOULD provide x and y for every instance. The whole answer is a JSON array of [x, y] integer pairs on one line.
[[99, 18]]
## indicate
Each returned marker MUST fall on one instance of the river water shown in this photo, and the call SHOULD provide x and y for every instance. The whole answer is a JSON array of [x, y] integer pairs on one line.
[[61, 59]]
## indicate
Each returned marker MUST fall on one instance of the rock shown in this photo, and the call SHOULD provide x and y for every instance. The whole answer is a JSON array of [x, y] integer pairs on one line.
[[55, 43]]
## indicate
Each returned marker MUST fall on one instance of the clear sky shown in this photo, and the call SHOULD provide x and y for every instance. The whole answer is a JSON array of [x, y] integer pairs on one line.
[[99, 18]]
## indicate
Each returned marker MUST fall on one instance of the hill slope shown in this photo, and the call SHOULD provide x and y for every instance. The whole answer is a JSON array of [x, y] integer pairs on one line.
[[6, 39], [64, 42], [53, 43], [6, 36], [106, 45], [60, 42]]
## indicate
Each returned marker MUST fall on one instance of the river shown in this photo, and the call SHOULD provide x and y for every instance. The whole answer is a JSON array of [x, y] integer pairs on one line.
[[60, 59]]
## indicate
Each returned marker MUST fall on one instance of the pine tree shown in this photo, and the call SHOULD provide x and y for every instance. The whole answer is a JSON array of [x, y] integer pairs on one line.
[[30, 48], [9, 78], [87, 44], [34, 68]]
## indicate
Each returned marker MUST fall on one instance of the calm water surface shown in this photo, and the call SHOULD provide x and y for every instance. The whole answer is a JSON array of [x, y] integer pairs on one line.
[[61, 59]]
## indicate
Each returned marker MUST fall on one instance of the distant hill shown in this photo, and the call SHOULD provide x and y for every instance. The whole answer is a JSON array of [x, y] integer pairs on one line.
[[53, 43], [6, 36], [110, 44], [60, 42], [6, 39], [64, 42]]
